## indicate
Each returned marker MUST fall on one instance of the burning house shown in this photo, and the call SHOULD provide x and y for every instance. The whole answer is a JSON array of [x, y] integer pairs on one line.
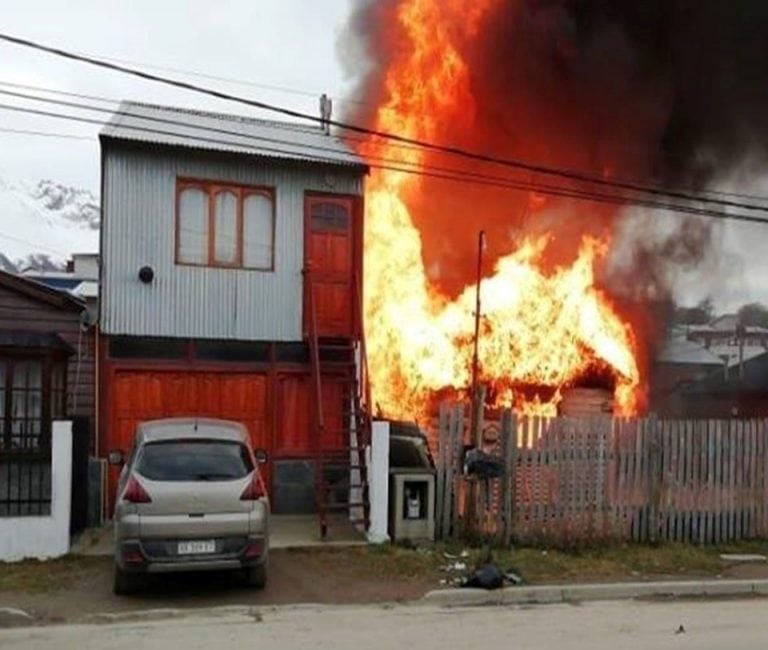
[[568, 292]]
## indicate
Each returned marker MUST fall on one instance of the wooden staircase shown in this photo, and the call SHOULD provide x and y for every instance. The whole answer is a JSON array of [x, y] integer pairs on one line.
[[341, 473]]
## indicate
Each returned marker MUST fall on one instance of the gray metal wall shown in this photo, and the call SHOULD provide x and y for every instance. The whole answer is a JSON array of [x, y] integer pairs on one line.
[[138, 228]]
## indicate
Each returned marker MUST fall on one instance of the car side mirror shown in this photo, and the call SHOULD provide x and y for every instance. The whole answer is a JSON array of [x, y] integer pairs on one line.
[[116, 457], [261, 456]]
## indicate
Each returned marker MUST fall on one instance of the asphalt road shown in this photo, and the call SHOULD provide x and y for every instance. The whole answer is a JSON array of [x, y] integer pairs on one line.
[[708, 625]]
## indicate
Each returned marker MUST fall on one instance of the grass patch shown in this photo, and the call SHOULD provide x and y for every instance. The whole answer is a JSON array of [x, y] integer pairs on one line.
[[376, 562], [36, 576], [536, 565]]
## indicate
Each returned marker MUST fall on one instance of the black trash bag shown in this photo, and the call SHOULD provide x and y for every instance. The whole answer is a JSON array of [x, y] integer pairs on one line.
[[485, 576], [478, 463]]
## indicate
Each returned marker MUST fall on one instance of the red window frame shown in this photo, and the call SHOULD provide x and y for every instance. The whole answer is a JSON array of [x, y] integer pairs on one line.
[[212, 189]]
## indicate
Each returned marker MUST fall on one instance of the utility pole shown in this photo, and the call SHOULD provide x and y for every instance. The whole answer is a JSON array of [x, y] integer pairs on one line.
[[475, 510], [741, 331], [475, 356]]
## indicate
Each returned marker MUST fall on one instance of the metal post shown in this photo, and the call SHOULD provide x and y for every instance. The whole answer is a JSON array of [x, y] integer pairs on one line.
[[740, 332], [475, 358]]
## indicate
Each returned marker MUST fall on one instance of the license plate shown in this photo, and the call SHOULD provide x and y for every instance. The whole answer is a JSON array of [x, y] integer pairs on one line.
[[197, 547]]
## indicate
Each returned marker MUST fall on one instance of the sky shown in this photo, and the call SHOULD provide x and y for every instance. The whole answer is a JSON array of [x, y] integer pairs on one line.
[[285, 43]]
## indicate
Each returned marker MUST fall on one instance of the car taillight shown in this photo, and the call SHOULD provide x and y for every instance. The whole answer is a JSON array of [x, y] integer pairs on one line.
[[255, 489], [135, 493]]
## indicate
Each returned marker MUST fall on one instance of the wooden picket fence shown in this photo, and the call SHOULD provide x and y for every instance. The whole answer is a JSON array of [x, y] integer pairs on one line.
[[570, 481]]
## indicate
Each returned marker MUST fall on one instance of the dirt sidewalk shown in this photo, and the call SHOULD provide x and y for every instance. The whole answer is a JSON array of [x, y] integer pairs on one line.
[[71, 588]]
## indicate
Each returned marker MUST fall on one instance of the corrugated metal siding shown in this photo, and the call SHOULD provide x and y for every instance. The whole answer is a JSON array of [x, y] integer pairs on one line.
[[196, 302]]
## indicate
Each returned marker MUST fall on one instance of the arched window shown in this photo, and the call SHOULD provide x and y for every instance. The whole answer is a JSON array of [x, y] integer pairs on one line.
[[225, 225]]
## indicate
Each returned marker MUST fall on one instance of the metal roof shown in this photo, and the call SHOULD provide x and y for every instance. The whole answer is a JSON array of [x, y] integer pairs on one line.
[[685, 352], [37, 290], [754, 379], [154, 124]]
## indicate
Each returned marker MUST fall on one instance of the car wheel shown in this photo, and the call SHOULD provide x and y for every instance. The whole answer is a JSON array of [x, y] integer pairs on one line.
[[125, 583], [256, 576]]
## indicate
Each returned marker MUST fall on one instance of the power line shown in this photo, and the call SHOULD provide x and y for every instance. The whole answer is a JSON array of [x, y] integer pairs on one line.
[[434, 171], [413, 168], [113, 100], [53, 91], [348, 137], [430, 146], [69, 136], [410, 168], [35, 245], [234, 80]]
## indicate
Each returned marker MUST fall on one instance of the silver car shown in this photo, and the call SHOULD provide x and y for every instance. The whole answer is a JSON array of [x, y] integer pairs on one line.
[[190, 498]]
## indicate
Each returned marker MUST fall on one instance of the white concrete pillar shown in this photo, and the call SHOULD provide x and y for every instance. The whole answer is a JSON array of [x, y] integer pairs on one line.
[[61, 487], [378, 476]]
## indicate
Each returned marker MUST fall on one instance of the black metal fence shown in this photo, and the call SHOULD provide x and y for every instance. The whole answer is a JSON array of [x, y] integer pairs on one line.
[[25, 483]]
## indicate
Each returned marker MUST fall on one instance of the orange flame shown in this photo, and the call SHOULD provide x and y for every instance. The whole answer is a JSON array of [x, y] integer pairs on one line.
[[538, 328]]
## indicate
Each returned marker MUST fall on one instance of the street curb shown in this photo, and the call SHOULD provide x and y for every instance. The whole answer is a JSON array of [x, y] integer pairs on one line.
[[12, 617], [600, 591]]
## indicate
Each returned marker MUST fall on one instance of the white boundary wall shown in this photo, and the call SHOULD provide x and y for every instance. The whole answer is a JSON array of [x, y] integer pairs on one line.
[[47, 536], [378, 477]]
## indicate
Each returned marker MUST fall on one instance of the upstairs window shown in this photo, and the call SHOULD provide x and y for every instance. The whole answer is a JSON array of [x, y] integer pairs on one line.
[[225, 225]]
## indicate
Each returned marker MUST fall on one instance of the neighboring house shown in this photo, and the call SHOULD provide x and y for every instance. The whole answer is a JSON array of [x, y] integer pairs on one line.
[[678, 363], [730, 341], [214, 230], [740, 392], [46, 361], [81, 278]]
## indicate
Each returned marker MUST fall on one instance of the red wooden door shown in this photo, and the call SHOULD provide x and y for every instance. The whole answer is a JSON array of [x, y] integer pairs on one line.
[[295, 436], [293, 433], [329, 257]]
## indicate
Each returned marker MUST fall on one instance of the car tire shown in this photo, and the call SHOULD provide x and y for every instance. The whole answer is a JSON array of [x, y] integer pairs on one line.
[[256, 576], [125, 583]]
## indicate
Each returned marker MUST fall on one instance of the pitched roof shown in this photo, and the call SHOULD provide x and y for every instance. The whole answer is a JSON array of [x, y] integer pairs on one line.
[[39, 291], [154, 124], [683, 352], [725, 322], [754, 379]]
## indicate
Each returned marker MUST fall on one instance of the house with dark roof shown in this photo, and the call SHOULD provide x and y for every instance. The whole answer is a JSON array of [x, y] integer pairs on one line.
[[678, 363], [47, 352], [740, 391], [231, 287]]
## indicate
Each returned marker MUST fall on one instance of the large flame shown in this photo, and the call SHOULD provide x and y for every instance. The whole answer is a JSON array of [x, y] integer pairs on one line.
[[539, 328]]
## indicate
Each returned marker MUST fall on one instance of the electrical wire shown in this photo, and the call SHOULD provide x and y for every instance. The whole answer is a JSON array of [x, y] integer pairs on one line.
[[29, 243], [409, 168], [69, 136], [347, 138], [430, 146]]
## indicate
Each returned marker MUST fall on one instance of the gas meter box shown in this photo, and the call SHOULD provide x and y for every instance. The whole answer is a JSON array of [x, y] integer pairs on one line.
[[412, 505], [411, 484]]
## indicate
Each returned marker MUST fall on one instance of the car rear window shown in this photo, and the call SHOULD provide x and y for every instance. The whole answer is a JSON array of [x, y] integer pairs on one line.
[[194, 460]]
